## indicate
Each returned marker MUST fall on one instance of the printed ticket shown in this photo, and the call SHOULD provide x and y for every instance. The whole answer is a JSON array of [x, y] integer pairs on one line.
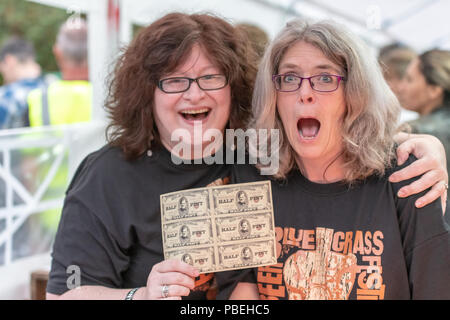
[[220, 228]]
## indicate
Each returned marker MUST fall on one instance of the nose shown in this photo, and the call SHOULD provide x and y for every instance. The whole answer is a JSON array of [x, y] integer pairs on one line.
[[194, 93], [306, 92]]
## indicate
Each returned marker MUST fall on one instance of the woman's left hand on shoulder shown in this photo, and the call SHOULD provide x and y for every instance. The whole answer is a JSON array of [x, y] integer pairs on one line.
[[431, 164]]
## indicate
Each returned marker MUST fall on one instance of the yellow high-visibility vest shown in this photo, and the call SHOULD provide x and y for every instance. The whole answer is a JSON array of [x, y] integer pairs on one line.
[[62, 102]]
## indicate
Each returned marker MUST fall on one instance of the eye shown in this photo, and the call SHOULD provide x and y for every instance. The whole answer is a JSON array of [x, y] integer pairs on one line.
[[289, 78], [324, 78], [174, 81], [209, 77]]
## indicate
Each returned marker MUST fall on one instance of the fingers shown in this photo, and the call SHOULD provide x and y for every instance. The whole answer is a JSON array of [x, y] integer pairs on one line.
[[436, 191], [426, 181], [170, 280], [176, 278], [430, 179], [404, 150], [174, 265], [167, 292], [415, 169], [177, 291]]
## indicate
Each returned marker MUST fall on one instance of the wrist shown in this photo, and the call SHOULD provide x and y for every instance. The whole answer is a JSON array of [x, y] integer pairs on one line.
[[134, 294]]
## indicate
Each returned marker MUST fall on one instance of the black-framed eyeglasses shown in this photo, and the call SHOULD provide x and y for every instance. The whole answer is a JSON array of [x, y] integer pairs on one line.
[[321, 82], [181, 84]]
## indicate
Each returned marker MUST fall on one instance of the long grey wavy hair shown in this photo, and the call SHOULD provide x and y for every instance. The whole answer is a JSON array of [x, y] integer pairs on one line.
[[372, 110]]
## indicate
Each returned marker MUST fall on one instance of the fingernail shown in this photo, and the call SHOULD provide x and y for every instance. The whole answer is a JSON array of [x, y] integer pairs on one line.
[[401, 193], [419, 204]]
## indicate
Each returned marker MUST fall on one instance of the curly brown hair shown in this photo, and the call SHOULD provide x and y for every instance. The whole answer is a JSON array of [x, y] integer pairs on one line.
[[157, 50]]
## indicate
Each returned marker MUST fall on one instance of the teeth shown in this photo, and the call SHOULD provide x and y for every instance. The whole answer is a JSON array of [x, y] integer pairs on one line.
[[197, 111]]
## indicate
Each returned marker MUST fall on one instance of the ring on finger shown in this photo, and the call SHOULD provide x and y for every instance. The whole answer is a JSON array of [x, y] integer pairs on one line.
[[165, 291], [446, 185]]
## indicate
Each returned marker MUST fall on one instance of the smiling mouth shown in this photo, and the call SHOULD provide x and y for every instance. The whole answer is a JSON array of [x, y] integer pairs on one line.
[[195, 114], [308, 128]]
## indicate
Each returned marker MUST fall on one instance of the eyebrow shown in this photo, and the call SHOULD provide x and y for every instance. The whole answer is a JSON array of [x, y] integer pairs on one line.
[[319, 67], [206, 70], [327, 67]]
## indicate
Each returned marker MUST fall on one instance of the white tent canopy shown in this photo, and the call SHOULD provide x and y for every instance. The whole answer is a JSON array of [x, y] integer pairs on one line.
[[421, 24]]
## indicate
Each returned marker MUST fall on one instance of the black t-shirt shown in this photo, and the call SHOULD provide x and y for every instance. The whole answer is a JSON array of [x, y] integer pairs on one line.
[[110, 226], [336, 242]]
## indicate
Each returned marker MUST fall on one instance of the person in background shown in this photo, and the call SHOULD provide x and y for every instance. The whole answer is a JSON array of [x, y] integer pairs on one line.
[[21, 74], [65, 101], [426, 90], [394, 59], [257, 36], [68, 100]]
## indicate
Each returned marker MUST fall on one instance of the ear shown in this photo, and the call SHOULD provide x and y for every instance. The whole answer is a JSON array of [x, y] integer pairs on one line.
[[57, 53], [10, 60], [435, 92]]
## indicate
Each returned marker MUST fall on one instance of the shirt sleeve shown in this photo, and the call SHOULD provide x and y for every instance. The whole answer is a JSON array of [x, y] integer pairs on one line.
[[426, 244], [85, 252]]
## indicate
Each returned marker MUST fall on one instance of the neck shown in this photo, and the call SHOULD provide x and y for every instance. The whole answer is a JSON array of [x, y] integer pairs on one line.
[[431, 106], [322, 170], [28, 71], [71, 73]]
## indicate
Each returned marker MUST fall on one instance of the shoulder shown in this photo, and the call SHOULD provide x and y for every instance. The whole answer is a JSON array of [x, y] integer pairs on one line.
[[406, 206], [5, 96], [11, 91], [103, 167], [34, 94], [436, 122]]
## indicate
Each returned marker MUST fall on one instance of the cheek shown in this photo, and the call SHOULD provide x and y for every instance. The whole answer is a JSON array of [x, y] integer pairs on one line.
[[334, 116], [164, 113], [415, 89], [164, 104], [284, 117], [224, 105], [285, 108]]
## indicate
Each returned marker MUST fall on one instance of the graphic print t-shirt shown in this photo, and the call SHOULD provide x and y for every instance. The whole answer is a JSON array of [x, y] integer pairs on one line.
[[111, 222], [336, 242]]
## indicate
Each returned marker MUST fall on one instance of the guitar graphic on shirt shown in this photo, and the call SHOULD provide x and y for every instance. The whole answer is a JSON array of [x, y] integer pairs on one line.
[[320, 274]]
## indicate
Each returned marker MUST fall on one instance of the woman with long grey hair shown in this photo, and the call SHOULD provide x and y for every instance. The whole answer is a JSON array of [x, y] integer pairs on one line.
[[342, 231]]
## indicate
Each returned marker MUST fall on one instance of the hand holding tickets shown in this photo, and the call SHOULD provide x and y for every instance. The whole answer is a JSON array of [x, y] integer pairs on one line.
[[220, 228]]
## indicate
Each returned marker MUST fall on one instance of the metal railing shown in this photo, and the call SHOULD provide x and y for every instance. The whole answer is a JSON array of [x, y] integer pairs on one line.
[[36, 165]]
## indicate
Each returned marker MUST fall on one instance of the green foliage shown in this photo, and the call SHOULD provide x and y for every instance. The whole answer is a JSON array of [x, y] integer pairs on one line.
[[34, 22]]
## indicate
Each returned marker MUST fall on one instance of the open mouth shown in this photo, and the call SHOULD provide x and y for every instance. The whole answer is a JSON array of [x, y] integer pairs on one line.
[[308, 128], [195, 114]]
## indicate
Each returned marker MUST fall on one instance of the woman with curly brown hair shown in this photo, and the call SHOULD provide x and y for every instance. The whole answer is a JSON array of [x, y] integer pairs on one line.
[[180, 72]]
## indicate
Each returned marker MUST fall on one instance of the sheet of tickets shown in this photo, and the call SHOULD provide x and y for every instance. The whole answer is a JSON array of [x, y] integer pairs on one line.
[[220, 228]]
